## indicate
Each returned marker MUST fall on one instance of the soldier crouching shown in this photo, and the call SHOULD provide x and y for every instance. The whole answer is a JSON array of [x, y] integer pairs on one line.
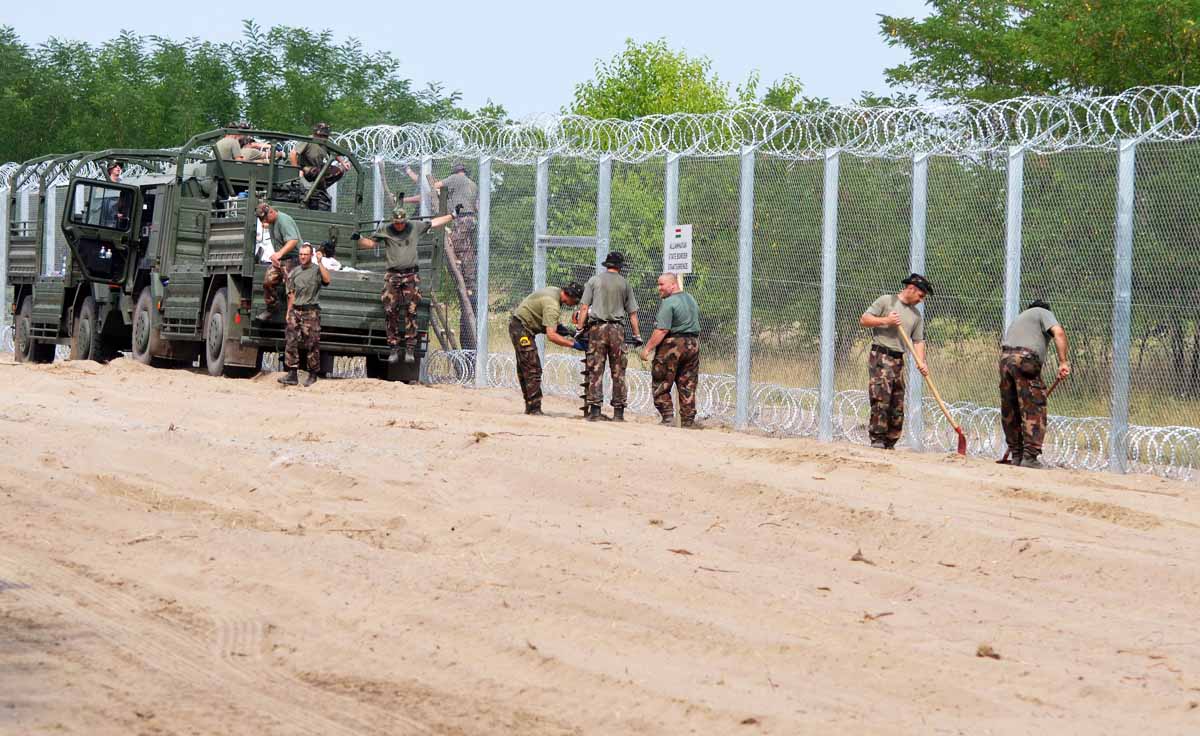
[[303, 323]]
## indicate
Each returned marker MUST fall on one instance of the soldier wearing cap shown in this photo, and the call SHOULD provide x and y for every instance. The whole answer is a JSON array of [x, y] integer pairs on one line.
[[539, 314], [401, 283], [310, 157], [889, 313], [285, 237], [1022, 393], [608, 302]]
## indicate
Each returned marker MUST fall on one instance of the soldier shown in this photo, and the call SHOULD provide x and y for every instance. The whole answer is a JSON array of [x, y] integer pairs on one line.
[[285, 237], [401, 284], [310, 158], [675, 344], [886, 362], [1022, 393], [462, 198], [114, 172], [607, 302], [229, 148], [303, 324], [538, 314]]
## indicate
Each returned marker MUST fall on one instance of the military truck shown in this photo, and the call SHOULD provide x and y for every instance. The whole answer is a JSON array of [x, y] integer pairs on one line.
[[164, 262]]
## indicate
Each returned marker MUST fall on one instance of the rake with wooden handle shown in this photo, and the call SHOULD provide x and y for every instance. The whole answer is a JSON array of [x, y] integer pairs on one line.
[[962, 438], [1008, 453]]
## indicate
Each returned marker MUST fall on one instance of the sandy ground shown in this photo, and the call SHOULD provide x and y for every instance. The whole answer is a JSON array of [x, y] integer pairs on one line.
[[188, 555]]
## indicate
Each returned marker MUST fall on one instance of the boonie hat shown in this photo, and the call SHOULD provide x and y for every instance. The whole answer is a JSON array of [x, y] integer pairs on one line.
[[919, 281], [614, 259]]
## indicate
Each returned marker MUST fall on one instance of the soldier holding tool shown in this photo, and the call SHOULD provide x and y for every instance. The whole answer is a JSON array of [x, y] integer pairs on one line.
[[1022, 392], [889, 313], [538, 314], [607, 302]]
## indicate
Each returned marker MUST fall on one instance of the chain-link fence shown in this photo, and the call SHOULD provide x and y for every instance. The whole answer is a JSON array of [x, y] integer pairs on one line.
[[802, 221]]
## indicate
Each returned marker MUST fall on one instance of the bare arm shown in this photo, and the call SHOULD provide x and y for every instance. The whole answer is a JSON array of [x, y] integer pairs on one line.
[[324, 272], [412, 174], [871, 321], [583, 313], [633, 322], [1063, 347], [919, 355], [439, 221], [292, 159], [558, 339], [288, 247]]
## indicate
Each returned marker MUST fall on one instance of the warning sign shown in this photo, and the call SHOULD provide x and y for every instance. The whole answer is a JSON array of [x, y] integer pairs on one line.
[[677, 249]]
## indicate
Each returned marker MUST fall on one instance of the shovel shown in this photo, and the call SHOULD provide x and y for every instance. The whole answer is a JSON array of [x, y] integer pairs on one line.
[[962, 438], [1008, 453]]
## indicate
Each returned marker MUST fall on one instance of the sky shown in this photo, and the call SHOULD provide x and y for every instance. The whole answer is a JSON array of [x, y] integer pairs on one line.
[[529, 54]]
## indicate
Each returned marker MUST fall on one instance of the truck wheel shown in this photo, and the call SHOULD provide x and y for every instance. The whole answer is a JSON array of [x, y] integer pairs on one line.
[[214, 333], [145, 333], [25, 350], [85, 343]]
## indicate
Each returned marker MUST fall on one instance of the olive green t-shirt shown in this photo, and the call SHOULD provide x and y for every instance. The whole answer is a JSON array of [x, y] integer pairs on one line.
[[305, 283], [678, 314], [282, 230], [1031, 330], [460, 190], [608, 297], [910, 319], [253, 154], [311, 154], [539, 311], [401, 246], [227, 149]]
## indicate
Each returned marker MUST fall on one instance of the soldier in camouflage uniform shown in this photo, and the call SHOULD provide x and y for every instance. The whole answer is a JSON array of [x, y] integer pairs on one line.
[[538, 314], [401, 283], [303, 323], [675, 344], [885, 363], [285, 238], [310, 157], [1022, 393], [607, 302], [462, 198]]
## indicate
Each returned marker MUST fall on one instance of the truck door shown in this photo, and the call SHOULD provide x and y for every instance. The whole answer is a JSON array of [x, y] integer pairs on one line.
[[100, 223]]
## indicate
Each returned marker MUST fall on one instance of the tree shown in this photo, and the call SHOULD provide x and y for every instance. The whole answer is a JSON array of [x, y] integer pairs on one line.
[[651, 79], [995, 49]]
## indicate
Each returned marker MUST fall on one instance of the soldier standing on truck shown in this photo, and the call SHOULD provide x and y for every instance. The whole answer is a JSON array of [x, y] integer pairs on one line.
[[285, 237], [303, 323], [229, 148], [401, 283], [538, 314]]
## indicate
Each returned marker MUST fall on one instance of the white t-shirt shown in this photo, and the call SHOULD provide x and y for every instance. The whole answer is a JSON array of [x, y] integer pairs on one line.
[[262, 243]]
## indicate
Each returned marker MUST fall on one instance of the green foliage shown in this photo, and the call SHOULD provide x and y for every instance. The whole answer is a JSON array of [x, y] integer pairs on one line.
[[994, 49], [147, 91]]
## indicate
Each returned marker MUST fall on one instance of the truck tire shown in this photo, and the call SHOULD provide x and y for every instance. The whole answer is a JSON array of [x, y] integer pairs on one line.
[[144, 341], [25, 349], [214, 333], [85, 342]]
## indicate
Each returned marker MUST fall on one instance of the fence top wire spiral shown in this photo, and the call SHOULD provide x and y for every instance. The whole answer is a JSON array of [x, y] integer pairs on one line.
[[1043, 124]]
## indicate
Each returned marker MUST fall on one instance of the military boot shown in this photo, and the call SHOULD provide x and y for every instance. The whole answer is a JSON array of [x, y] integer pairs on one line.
[[1031, 461], [312, 378], [690, 424], [667, 421], [619, 414], [394, 356], [410, 355], [879, 444], [289, 378], [533, 410], [594, 415]]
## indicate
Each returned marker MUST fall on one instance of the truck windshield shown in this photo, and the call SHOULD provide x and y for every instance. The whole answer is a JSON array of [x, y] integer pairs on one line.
[[101, 206]]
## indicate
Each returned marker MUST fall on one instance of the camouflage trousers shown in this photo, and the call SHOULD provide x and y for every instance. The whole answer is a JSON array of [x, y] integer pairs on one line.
[[275, 276], [676, 363], [461, 241], [886, 391], [401, 294], [302, 331], [529, 365], [606, 341], [1022, 402]]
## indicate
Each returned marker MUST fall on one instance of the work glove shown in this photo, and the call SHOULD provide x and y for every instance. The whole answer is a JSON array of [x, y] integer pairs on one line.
[[579, 345], [566, 330], [355, 235], [637, 341]]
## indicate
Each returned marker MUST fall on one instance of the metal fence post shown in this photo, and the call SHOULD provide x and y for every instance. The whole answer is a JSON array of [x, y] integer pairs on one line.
[[483, 246], [377, 189], [829, 229], [48, 240], [541, 216], [745, 274], [1122, 305], [915, 399], [426, 190], [671, 194], [1012, 241], [4, 228], [603, 210]]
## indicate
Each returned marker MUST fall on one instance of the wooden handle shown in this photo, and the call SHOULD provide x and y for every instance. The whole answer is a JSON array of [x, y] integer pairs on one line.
[[932, 386]]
